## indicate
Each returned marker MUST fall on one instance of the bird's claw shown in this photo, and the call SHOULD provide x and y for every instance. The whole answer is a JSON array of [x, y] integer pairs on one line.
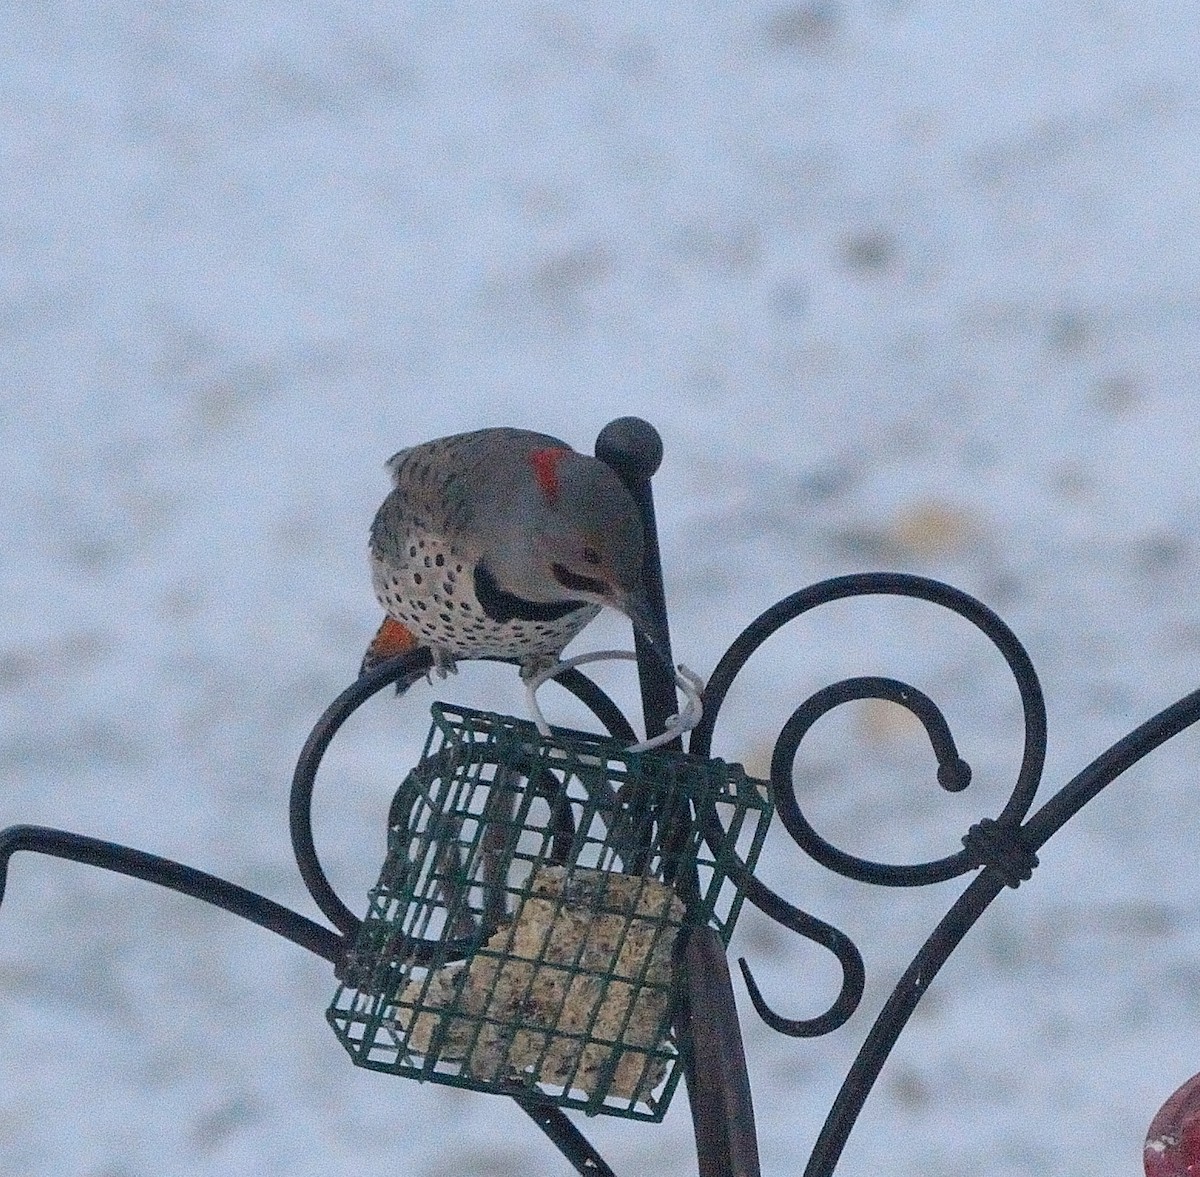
[[532, 667], [444, 664]]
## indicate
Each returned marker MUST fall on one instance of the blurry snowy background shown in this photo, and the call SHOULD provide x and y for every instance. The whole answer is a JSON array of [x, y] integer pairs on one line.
[[904, 284]]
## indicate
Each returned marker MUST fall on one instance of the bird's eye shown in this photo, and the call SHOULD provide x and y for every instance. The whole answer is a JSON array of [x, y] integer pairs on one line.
[[591, 556]]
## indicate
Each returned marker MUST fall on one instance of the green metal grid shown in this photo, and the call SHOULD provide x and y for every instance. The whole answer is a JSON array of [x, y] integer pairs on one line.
[[522, 932]]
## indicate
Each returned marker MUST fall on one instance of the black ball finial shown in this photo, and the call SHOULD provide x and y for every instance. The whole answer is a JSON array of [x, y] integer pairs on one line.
[[631, 446]]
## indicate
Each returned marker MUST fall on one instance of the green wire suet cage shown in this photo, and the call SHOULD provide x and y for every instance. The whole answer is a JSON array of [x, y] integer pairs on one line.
[[523, 932]]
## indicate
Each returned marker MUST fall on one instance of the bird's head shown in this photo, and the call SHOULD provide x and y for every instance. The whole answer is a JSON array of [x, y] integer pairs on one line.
[[573, 532]]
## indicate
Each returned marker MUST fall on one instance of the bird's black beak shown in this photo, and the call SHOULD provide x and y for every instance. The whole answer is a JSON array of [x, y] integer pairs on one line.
[[636, 607]]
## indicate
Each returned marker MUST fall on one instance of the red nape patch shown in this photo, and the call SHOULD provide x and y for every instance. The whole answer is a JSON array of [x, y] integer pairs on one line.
[[545, 464]]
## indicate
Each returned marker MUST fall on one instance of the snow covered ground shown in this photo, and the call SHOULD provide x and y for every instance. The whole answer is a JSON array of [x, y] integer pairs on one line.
[[904, 285]]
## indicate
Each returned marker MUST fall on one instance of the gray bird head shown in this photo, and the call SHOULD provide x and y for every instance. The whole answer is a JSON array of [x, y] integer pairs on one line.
[[571, 531]]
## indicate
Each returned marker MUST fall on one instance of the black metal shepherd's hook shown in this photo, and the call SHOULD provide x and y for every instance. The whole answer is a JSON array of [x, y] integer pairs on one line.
[[634, 450], [1000, 852]]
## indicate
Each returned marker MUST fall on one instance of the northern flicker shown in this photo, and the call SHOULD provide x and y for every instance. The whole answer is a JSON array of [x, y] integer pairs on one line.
[[501, 543]]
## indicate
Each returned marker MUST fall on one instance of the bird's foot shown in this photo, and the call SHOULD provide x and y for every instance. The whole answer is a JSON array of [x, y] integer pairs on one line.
[[444, 664], [537, 664], [392, 640]]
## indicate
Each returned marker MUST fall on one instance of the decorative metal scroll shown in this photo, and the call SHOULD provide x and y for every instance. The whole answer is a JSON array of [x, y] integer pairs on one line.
[[1003, 849], [999, 851]]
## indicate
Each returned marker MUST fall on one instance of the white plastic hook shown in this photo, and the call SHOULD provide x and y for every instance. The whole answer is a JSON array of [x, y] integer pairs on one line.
[[690, 683]]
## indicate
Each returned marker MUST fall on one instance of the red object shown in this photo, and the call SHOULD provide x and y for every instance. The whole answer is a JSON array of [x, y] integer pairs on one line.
[[545, 464], [1173, 1142]]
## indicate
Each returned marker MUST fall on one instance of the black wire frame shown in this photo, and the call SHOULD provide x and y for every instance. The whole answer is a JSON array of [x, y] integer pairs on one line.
[[1003, 850]]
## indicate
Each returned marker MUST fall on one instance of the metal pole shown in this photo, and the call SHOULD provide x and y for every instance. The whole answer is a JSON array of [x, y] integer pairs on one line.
[[706, 1021]]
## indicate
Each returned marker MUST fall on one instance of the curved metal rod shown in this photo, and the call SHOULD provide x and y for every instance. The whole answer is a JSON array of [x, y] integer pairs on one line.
[[404, 666], [267, 914], [598, 703], [827, 936], [803, 924], [305, 776], [902, 585], [953, 774], [552, 1120], [168, 873], [952, 771], [894, 1016], [1109, 765]]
